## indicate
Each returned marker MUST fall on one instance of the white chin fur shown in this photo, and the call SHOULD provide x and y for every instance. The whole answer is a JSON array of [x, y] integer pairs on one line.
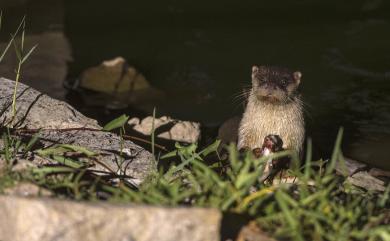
[[266, 152]]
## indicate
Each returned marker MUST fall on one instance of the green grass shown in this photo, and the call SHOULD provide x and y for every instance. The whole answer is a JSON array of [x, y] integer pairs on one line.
[[318, 206]]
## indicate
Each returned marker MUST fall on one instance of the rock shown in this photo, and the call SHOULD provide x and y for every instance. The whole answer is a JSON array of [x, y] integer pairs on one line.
[[47, 219], [228, 131], [27, 190], [376, 172], [36, 110], [252, 232], [34, 161], [366, 181], [62, 124], [3, 165], [349, 167], [116, 85], [113, 76], [168, 128], [136, 163]]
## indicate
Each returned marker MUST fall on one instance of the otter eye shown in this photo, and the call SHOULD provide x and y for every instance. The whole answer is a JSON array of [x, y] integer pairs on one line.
[[284, 81]]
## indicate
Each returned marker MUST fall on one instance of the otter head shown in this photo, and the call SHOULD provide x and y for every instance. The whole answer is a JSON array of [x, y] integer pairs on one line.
[[275, 84]]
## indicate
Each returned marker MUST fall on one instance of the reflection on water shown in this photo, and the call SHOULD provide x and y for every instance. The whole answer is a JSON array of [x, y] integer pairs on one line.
[[200, 54], [47, 67]]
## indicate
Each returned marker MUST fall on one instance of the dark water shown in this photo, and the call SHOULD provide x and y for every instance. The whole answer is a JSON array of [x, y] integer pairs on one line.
[[200, 54]]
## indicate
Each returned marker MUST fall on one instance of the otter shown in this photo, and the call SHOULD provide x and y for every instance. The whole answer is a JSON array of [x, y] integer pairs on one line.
[[273, 107]]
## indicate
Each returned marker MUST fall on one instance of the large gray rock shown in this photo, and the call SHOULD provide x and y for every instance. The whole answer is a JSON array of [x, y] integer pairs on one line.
[[46, 219], [135, 162], [62, 124], [36, 110]]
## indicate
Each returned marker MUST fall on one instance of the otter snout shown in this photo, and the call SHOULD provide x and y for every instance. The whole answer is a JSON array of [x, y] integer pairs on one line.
[[270, 93]]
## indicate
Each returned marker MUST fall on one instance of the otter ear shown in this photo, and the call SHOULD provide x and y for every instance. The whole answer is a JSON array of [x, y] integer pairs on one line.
[[259, 69], [297, 77]]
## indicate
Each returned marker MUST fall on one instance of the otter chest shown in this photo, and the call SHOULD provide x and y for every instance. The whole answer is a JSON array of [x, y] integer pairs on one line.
[[276, 121], [262, 120]]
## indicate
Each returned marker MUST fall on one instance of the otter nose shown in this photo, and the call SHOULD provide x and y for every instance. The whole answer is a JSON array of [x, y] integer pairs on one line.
[[271, 86], [269, 91]]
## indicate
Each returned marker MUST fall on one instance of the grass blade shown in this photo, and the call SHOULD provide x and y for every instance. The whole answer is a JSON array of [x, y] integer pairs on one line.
[[1, 19], [29, 53], [116, 123], [293, 222], [211, 148], [6, 48], [153, 129], [308, 159], [23, 34], [11, 41], [80, 149], [31, 143], [17, 51], [67, 162], [49, 170], [336, 152]]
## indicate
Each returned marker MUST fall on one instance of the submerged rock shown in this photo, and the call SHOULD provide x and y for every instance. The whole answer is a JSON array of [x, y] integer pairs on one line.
[[59, 123], [168, 128], [45, 219], [116, 85], [113, 76]]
